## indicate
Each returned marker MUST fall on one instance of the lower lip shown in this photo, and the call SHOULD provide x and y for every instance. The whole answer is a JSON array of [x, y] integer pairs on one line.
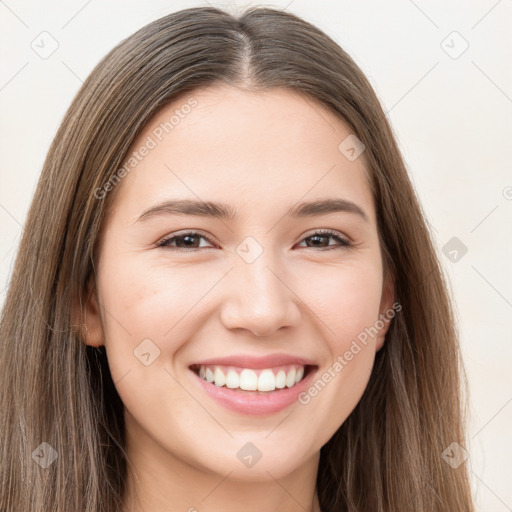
[[253, 402]]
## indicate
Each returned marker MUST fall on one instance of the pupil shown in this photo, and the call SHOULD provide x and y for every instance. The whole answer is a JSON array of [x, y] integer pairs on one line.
[[188, 237], [317, 237]]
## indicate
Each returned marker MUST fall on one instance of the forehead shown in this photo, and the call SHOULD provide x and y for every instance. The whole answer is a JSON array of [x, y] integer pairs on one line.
[[244, 148]]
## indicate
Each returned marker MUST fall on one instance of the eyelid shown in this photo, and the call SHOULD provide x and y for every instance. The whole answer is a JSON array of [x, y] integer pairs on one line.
[[325, 231], [183, 233], [345, 242]]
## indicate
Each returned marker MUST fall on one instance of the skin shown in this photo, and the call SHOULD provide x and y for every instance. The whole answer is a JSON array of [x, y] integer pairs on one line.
[[260, 153]]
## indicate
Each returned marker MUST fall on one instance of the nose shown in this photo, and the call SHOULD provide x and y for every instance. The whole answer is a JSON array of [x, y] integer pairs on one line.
[[259, 298]]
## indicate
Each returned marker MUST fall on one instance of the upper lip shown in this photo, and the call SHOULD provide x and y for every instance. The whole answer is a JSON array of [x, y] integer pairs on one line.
[[254, 362]]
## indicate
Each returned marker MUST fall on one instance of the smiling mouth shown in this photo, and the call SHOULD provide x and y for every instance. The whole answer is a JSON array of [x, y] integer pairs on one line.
[[253, 381]]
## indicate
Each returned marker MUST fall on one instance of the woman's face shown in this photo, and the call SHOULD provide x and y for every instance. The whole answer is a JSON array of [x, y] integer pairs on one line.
[[252, 297]]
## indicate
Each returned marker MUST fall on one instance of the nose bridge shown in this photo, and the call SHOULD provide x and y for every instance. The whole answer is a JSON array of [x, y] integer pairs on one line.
[[259, 300]]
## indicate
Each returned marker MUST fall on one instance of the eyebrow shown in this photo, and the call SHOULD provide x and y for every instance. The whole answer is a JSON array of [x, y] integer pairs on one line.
[[224, 211]]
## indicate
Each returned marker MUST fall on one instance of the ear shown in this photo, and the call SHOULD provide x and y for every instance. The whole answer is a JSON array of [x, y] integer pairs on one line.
[[386, 303], [89, 319]]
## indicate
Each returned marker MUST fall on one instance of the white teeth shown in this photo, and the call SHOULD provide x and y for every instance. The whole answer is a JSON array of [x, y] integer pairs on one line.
[[220, 378], [266, 381], [249, 380], [290, 378], [209, 375], [280, 379], [232, 379]]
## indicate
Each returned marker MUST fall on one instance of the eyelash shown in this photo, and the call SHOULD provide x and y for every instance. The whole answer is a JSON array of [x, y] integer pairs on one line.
[[322, 232]]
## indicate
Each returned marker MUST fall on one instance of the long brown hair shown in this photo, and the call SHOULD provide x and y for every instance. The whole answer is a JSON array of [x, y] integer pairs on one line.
[[57, 397]]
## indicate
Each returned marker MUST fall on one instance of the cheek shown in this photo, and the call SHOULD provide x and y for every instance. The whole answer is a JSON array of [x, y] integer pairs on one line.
[[144, 310], [346, 299], [149, 312], [346, 302], [166, 304]]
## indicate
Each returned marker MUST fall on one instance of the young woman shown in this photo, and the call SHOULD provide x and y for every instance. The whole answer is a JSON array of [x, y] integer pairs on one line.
[[226, 296]]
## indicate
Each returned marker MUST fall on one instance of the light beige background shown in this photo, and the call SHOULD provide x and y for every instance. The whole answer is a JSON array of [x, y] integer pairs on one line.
[[450, 107]]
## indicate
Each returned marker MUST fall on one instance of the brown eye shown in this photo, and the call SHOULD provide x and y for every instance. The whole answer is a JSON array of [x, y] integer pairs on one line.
[[183, 242], [191, 239], [319, 237]]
